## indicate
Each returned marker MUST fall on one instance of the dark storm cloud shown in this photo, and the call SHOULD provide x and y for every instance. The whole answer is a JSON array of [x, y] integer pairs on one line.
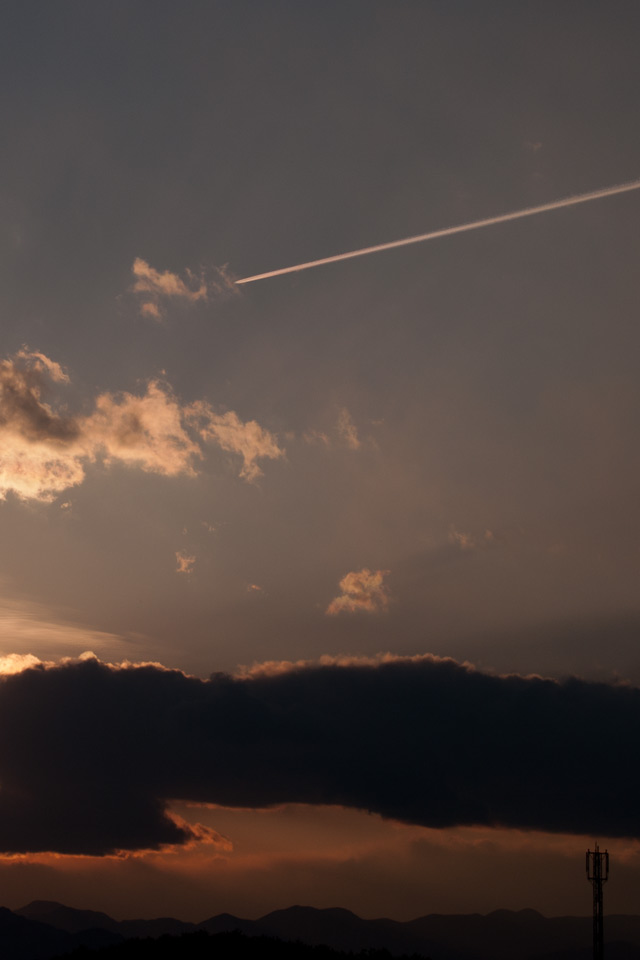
[[90, 754]]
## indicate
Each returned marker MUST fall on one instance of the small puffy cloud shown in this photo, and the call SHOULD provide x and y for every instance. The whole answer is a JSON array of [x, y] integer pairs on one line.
[[44, 452], [154, 286], [347, 430], [185, 561], [248, 439], [361, 590]]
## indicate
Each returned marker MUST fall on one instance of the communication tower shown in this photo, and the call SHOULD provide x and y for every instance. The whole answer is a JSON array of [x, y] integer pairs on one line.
[[597, 874]]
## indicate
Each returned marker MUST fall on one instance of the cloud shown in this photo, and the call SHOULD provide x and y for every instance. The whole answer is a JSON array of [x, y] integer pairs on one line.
[[463, 540], [149, 309], [251, 441], [96, 753], [164, 284], [146, 430], [155, 286], [185, 561], [39, 448], [316, 436], [17, 662], [341, 433], [361, 590], [467, 541], [347, 430], [44, 452], [31, 626]]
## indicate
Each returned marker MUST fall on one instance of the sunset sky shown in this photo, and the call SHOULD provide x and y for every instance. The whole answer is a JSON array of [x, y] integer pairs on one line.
[[375, 502]]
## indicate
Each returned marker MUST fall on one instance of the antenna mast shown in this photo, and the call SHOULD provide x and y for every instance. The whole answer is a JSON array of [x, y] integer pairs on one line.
[[597, 874]]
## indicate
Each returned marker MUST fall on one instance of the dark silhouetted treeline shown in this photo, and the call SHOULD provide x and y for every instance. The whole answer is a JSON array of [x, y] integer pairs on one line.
[[223, 946]]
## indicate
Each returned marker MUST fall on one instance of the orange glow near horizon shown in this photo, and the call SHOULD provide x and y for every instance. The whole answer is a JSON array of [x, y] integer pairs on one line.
[[270, 859]]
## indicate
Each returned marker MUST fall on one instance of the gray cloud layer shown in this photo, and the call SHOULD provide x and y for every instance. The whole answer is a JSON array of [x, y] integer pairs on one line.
[[90, 754]]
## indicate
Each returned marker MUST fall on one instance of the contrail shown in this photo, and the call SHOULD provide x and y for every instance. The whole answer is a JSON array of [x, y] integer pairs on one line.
[[449, 231]]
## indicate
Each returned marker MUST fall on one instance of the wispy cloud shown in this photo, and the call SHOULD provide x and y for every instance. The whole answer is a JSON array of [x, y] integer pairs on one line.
[[44, 452], [468, 541], [27, 627], [462, 540], [148, 309], [361, 590], [155, 286], [347, 430], [341, 433]]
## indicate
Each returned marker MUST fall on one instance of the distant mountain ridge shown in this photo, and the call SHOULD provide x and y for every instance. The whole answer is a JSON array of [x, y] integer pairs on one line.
[[501, 935]]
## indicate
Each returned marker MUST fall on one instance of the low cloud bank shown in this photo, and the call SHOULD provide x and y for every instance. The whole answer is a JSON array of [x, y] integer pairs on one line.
[[91, 754]]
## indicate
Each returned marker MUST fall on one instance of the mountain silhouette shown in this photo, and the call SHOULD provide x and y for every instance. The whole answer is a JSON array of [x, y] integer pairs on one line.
[[25, 939], [501, 935]]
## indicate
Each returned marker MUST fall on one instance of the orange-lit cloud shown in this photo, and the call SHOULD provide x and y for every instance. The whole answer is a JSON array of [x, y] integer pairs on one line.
[[468, 541], [149, 309], [16, 662], [347, 430], [361, 590], [158, 285], [463, 540], [29, 629], [342, 433], [155, 286], [251, 441], [146, 431], [185, 561], [43, 452], [268, 859], [39, 448]]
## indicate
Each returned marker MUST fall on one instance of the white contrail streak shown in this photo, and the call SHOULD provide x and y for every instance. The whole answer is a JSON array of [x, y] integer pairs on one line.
[[448, 231]]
